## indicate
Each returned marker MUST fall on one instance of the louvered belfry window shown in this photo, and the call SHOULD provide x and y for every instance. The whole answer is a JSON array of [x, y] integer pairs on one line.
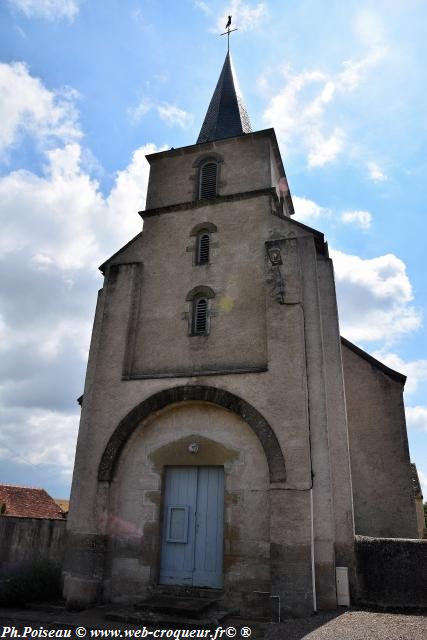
[[200, 317], [208, 176], [203, 241]]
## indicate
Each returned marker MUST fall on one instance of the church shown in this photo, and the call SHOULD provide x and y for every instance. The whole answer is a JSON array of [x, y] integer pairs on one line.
[[230, 439]]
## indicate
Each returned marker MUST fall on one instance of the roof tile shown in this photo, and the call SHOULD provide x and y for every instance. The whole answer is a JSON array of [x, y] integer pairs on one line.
[[28, 502]]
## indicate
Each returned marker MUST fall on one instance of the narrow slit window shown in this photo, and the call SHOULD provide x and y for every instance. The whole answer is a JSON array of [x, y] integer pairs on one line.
[[208, 180], [200, 317], [203, 242]]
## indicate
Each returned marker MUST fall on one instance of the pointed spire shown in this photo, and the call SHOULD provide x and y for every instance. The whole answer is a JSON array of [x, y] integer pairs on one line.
[[226, 116]]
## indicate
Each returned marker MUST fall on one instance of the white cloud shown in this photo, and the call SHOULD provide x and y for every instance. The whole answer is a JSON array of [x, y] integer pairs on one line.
[[128, 194], [415, 370], [169, 113], [374, 297], [203, 6], [375, 172], [21, 31], [142, 108], [370, 27], [64, 207], [48, 9], [323, 150], [262, 83], [416, 418], [307, 210], [39, 437], [26, 106], [362, 219], [354, 70], [284, 110], [73, 225], [173, 115], [138, 16], [57, 228], [300, 118], [244, 16]]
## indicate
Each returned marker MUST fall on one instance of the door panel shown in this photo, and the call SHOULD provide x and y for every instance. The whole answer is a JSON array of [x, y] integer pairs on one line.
[[177, 523], [192, 548], [209, 528], [180, 500]]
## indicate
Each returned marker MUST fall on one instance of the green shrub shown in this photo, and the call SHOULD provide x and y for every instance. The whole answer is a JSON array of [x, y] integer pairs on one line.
[[33, 582]]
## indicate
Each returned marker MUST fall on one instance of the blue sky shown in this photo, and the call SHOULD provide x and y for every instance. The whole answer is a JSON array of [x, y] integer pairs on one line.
[[88, 87]]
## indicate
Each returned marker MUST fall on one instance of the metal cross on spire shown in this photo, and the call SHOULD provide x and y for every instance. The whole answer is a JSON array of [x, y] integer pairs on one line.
[[227, 33]]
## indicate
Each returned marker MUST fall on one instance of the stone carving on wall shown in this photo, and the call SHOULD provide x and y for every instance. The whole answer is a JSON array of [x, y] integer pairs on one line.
[[275, 276]]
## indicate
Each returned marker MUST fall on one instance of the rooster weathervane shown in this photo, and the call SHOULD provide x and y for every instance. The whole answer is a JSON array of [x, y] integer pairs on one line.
[[227, 33]]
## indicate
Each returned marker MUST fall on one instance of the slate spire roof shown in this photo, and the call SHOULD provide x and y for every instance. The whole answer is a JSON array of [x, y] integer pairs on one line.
[[226, 116]]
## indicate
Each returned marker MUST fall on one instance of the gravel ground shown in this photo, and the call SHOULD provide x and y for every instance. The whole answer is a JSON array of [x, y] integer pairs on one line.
[[348, 624], [351, 625]]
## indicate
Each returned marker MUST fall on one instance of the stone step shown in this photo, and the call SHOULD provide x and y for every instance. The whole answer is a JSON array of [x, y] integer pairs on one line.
[[165, 620], [191, 592], [176, 604]]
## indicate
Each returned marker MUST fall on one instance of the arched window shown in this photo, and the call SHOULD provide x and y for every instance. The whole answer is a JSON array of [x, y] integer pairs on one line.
[[203, 245], [200, 317], [202, 248], [199, 312], [208, 180]]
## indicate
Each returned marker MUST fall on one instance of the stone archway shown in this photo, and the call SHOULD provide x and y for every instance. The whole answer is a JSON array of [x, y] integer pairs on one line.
[[162, 399]]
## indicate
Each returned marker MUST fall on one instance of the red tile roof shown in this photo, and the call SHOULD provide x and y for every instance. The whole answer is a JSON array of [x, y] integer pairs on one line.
[[28, 502], [64, 505]]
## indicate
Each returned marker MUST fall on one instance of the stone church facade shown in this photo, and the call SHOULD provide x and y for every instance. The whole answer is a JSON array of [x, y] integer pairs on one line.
[[229, 438]]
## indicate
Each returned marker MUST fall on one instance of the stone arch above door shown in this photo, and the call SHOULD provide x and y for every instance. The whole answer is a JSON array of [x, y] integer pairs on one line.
[[220, 397]]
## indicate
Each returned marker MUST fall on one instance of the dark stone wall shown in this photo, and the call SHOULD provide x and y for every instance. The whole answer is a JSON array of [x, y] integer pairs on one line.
[[383, 500], [391, 572], [26, 540]]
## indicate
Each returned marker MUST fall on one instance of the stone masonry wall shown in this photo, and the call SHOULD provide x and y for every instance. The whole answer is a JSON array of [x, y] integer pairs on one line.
[[391, 572], [380, 467], [24, 540]]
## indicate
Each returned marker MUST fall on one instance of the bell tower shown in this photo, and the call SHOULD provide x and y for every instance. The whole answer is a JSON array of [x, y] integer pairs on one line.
[[213, 447]]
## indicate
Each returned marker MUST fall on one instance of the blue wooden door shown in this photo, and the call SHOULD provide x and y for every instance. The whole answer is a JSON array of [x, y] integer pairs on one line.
[[209, 528], [193, 523]]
